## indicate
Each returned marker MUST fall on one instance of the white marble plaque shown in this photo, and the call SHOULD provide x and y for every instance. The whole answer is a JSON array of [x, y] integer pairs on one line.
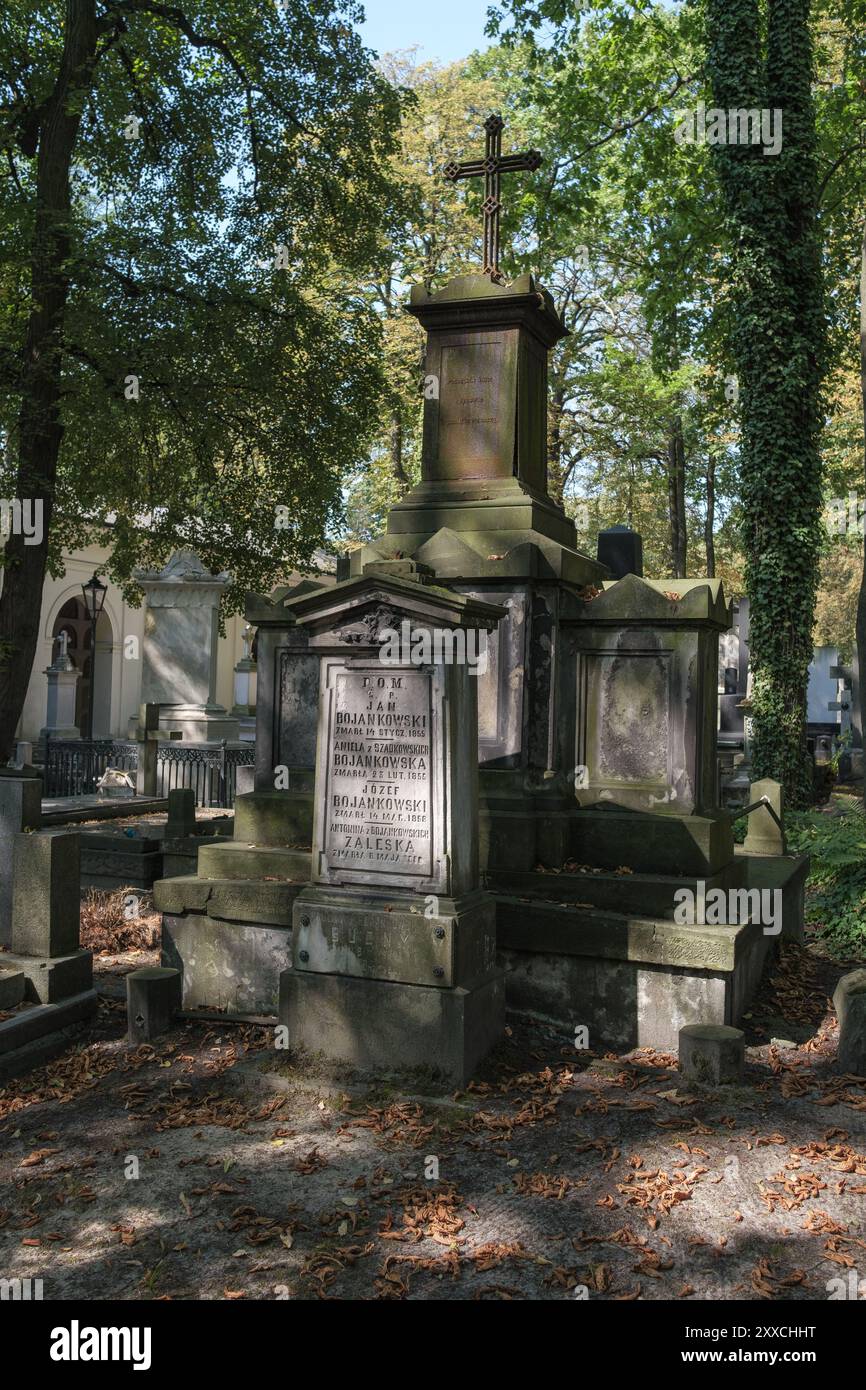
[[378, 775]]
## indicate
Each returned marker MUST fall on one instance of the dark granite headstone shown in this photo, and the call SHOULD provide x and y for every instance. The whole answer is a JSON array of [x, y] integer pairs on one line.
[[621, 549]]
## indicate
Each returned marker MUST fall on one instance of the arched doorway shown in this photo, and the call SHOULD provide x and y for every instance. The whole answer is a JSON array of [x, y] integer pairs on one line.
[[74, 621]]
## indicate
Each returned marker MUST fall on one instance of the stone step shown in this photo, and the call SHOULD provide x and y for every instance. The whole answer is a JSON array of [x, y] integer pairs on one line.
[[12, 983], [238, 860], [556, 929], [643, 895], [262, 902], [42, 1019]]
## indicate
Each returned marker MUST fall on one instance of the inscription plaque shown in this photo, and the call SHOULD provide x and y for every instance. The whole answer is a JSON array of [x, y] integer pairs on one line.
[[475, 432], [378, 777]]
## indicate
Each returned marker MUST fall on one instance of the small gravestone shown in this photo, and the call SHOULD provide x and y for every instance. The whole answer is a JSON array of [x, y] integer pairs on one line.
[[45, 905], [621, 550], [765, 835], [45, 920], [181, 813], [20, 809], [711, 1054], [849, 1002], [394, 943]]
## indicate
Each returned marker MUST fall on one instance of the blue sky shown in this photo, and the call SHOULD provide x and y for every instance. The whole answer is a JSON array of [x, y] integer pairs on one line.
[[442, 29]]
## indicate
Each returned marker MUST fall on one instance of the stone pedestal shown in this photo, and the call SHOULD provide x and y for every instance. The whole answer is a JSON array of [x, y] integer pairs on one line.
[[484, 523], [393, 944], [45, 918], [62, 678], [181, 633], [245, 681]]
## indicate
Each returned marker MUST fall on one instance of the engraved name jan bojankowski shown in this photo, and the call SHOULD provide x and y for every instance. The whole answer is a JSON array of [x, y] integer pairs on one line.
[[379, 802]]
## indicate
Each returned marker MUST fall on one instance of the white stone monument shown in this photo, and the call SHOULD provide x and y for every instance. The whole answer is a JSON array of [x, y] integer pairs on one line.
[[63, 681], [181, 632]]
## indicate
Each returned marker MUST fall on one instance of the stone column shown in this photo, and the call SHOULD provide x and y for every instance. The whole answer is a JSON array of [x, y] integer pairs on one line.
[[181, 632]]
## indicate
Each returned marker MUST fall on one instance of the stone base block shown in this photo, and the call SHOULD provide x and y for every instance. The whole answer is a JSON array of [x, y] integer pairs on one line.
[[345, 933], [274, 818], [647, 895], [378, 1024], [50, 979], [234, 859], [12, 986], [651, 844], [788, 874], [230, 965], [633, 982], [711, 1054], [849, 1002], [110, 859], [153, 997]]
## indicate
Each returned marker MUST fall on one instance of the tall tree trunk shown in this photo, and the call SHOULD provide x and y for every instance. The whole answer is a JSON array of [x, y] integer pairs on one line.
[[861, 597], [677, 497], [710, 519], [556, 404], [396, 444], [39, 426]]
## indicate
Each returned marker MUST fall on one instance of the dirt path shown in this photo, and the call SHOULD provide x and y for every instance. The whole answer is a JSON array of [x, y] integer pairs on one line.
[[212, 1166]]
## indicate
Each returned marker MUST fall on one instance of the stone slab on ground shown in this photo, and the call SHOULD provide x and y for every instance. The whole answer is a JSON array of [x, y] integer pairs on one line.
[[12, 984], [34, 1021]]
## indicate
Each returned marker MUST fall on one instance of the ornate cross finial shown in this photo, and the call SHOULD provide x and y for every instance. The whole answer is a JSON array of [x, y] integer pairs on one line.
[[492, 166]]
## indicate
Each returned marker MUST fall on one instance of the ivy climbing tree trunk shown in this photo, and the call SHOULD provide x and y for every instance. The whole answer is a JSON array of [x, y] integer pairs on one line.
[[860, 684], [778, 342]]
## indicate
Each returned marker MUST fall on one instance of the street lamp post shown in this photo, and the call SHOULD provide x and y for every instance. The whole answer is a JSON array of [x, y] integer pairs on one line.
[[94, 597]]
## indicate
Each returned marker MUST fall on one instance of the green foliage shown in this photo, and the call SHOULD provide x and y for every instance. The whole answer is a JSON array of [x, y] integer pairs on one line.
[[836, 890], [261, 127]]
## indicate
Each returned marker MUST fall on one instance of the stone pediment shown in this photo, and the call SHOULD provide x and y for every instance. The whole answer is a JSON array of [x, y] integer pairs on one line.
[[633, 599], [357, 611], [184, 567]]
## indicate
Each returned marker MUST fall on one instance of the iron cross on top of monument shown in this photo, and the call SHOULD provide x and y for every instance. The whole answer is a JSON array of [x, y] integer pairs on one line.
[[491, 168], [484, 449]]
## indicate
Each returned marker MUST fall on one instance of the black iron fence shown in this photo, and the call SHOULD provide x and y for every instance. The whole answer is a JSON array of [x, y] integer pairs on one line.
[[209, 768], [72, 767]]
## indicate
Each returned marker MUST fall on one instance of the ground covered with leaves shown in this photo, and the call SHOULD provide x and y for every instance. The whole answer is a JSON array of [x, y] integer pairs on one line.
[[212, 1165]]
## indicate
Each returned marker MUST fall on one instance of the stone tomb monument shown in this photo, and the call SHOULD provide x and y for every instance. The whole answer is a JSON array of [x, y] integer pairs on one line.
[[394, 943], [595, 748], [180, 648]]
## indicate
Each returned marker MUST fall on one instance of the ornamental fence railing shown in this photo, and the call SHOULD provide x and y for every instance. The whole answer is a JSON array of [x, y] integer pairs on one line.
[[73, 767]]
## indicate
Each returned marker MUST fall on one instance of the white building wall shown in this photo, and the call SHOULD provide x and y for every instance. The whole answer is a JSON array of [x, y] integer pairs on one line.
[[117, 700]]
